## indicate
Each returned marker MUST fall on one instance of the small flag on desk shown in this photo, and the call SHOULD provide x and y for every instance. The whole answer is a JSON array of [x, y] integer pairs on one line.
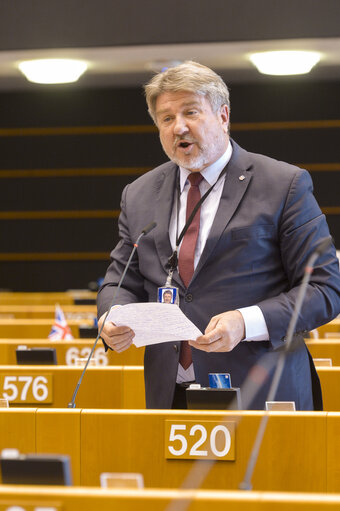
[[60, 330]]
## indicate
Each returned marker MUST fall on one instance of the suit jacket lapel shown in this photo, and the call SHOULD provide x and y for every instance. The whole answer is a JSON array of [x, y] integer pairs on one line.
[[164, 206], [233, 192]]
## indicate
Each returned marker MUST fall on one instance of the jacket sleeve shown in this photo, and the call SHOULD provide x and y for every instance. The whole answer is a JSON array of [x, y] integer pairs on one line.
[[301, 228], [132, 289]]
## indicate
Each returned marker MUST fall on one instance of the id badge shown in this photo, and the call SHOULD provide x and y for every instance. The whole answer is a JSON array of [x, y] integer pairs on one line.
[[168, 294]]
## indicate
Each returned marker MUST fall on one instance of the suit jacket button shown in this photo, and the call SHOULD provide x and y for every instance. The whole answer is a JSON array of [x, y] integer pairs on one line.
[[175, 347], [188, 297]]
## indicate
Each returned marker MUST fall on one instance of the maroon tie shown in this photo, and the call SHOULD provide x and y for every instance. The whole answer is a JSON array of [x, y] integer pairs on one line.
[[187, 252]]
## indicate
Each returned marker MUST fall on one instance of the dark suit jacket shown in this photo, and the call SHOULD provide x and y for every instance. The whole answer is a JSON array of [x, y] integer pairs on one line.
[[265, 229]]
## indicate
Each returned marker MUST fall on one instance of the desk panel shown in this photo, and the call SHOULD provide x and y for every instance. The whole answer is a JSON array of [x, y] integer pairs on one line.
[[35, 328], [333, 452], [69, 351], [331, 327], [17, 429], [330, 384], [325, 348], [102, 387], [292, 457], [58, 432]]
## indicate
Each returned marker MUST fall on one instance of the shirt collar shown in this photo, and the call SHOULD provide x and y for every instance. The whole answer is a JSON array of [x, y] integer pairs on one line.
[[210, 173]]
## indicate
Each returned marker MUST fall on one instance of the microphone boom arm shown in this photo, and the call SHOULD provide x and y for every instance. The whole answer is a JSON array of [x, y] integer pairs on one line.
[[324, 243], [146, 230]]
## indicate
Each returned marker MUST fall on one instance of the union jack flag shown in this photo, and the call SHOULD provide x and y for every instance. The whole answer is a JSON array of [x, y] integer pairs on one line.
[[60, 330]]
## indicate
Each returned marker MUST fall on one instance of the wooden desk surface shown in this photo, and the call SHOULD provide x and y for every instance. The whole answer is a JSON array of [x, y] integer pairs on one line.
[[325, 348], [293, 455], [53, 386], [114, 386], [88, 499], [332, 326], [300, 451], [330, 384]]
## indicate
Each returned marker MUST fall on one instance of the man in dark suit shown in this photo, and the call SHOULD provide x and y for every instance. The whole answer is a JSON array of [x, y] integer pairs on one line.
[[241, 260]]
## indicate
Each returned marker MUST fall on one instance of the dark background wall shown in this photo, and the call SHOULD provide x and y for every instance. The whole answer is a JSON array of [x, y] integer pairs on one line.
[[66, 155], [67, 152], [85, 23]]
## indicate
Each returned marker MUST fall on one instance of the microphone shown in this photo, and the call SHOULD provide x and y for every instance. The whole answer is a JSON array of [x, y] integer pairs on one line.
[[323, 245], [320, 249], [146, 230]]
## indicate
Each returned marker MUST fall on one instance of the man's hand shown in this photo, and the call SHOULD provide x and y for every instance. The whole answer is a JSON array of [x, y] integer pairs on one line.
[[223, 333], [119, 338]]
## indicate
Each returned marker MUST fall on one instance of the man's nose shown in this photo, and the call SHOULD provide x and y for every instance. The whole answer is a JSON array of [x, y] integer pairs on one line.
[[180, 126]]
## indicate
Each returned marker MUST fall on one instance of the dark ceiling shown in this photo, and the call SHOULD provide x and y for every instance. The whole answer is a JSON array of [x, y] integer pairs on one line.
[[120, 37]]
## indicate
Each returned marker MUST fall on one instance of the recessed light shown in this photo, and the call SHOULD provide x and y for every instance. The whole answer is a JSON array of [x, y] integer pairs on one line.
[[285, 62], [53, 70]]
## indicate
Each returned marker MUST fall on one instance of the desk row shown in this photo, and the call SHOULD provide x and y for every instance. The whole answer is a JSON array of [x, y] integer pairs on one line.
[[69, 352], [300, 450], [38, 328], [105, 387]]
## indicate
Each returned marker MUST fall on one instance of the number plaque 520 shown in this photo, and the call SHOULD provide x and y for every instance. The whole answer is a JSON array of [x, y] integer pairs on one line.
[[200, 440]]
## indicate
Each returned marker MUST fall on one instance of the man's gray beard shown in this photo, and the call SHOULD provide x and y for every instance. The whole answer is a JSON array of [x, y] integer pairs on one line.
[[202, 160], [192, 164]]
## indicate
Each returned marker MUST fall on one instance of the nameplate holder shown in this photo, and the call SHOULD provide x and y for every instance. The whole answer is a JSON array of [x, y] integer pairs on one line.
[[322, 362], [280, 406]]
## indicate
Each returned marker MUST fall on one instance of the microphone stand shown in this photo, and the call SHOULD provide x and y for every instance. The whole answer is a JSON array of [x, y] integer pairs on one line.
[[246, 483], [146, 230]]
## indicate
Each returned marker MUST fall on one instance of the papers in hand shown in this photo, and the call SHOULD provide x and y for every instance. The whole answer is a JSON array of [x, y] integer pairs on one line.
[[154, 323]]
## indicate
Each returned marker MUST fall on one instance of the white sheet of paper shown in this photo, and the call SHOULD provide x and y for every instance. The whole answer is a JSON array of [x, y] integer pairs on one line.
[[154, 322]]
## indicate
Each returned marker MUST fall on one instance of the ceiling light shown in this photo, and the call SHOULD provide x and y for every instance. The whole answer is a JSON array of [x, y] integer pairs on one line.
[[285, 62], [53, 70]]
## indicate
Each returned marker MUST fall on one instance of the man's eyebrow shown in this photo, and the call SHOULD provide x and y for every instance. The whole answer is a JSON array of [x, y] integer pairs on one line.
[[184, 105]]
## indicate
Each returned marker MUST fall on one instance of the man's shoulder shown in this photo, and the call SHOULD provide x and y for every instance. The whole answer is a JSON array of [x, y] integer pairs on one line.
[[269, 167], [268, 162]]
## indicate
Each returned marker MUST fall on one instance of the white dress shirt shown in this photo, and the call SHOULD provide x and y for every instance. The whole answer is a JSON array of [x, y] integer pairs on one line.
[[255, 325]]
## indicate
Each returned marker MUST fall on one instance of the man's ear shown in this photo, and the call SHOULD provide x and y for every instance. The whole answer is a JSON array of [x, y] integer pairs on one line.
[[224, 117]]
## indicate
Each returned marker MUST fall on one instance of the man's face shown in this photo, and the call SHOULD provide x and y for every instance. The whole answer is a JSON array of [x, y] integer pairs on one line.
[[191, 134], [167, 297]]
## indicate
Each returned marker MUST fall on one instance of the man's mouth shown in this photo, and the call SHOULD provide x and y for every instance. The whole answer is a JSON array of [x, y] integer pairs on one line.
[[184, 144]]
